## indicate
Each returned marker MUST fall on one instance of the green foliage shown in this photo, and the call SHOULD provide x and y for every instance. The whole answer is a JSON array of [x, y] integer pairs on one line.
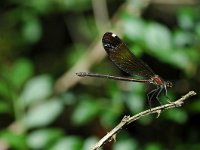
[[86, 111], [154, 35], [71, 142], [89, 142], [135, 101], [133, 28], [4, 107], [31, 30], [43, 138], [36, 89], [43, 114], [187, 18], [195, 106], [127, 144], [177, 115], [150, 35], [153, 146], [14, 140]]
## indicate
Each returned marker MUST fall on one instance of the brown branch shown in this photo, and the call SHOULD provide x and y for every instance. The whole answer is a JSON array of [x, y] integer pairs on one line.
[[127, 119]]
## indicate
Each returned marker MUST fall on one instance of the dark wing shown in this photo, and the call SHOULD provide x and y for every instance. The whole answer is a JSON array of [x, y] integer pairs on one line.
[[123, 58]]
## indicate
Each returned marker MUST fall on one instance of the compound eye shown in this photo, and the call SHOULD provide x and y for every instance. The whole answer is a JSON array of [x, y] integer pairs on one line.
[[169, 84]]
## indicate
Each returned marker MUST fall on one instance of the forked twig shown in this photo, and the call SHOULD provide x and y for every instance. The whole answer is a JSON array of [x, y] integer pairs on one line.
[[128, 119]]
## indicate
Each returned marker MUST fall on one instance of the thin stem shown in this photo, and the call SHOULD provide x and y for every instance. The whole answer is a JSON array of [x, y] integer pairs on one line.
[[127, 119]]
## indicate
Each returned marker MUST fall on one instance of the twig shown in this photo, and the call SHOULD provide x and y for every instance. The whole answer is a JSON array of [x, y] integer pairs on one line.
[[127, 119]]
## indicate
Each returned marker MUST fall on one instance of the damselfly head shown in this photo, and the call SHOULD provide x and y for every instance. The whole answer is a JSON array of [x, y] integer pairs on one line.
[[169, 84]]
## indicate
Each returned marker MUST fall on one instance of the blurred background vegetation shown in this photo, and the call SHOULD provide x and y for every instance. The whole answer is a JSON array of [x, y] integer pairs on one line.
[[45, 106]]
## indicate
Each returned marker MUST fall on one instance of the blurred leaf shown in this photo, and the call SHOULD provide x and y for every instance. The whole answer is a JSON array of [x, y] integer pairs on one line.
[[110, 115], [158, 38], [126, 144], [74, 54], [197, 29], [31, 29], [80, 5], [21, 72], [40, 6], [68, 98], [176, 115], [193, 54], [135, 98], [180, 59], [136, 49], [135, 103], [182, 39], [186, 18], [113, 108], [43, 138], [134, 28], [68, 143], [87, 28], [43, 114], [14, 140], [89, 143], [5, 90], [112, 89], [146, 120], [153, 146], [194, 106], [36, 89], [136, 4], [14, 77], [138, 88], [85, 111], [4, 107]]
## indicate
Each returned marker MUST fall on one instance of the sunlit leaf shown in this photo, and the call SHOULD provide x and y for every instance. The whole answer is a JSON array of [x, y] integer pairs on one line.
[[180, 59], [186, 18], [127, 144], [182, 39], [40, 139], [135, 103], [158, 38], [89, 143], [43, 114], [68, 143], [31, 29], [36, 89], [85, 111], [134, 28], [135, 98]]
